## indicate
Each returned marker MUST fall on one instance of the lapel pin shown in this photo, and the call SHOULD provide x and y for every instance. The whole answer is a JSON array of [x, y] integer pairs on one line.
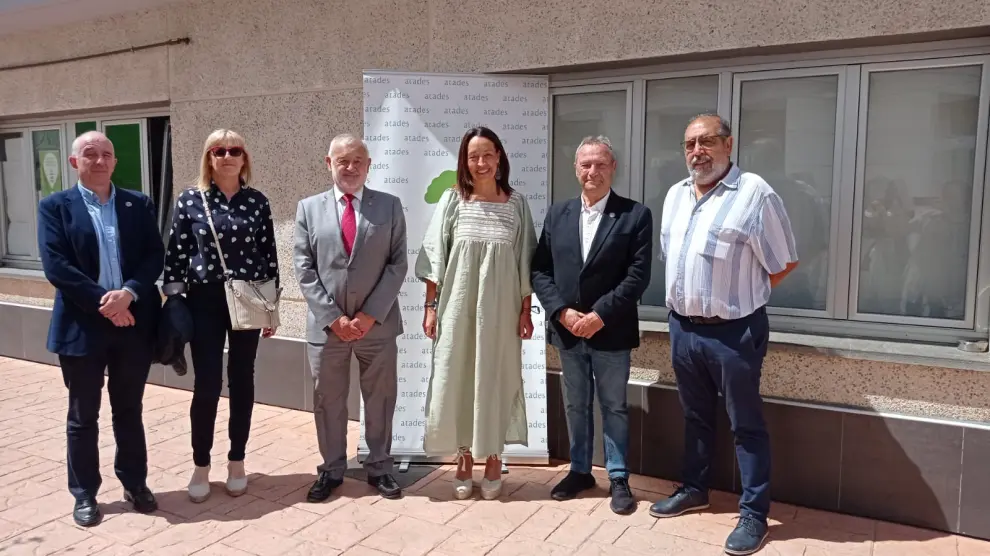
[[611, 215], [127, 204]]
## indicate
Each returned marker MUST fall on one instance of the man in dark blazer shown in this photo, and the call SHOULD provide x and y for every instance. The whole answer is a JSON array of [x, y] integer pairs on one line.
[[589, 271], [101, 249]]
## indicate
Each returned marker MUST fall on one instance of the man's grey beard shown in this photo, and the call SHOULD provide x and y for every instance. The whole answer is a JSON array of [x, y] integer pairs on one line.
[[706, 177]]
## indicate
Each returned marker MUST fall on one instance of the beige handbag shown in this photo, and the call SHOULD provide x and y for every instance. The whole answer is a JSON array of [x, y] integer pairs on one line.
[[253, 304]]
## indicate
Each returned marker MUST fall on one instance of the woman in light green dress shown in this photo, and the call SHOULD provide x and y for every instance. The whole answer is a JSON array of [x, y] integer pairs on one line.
[[475, 261]]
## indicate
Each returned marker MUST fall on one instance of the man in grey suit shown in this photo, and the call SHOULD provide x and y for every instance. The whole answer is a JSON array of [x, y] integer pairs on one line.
[[350, 260]]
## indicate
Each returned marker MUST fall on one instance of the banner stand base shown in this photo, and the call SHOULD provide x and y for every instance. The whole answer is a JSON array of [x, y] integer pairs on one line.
[[404, 460]]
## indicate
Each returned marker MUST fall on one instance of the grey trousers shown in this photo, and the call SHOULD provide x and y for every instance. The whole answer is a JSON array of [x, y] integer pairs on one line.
[[330, 364]]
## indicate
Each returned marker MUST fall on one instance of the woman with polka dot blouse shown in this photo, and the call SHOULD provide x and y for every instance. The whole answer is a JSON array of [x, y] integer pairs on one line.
[[243, 221]]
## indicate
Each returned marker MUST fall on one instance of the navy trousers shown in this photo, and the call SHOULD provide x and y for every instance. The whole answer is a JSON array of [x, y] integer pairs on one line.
[[724, 358], [126, 361]]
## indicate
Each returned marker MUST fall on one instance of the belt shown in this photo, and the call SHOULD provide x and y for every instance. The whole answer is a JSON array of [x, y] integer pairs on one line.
[[707, 320], [716, 320]]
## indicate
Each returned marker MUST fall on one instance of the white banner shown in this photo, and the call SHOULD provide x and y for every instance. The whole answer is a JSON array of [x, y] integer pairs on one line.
[[413, 124]]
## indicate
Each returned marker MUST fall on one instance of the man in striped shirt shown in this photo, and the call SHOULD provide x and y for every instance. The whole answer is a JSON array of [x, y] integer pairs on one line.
[[726, 241]]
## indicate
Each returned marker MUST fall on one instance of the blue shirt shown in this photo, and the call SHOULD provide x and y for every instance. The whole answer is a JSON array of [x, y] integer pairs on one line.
[[104, 217]]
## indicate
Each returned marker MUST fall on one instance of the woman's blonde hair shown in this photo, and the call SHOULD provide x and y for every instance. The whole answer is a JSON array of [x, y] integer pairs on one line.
[[225, 138]]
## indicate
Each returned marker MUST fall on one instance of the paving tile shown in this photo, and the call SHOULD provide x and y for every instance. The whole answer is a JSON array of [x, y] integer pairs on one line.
[[360, 550], [973, 547], [347, 526], [10, 529], [183, 539], [132, 528], [222, 550], [466, 542], [585, 503], [47, 539], [599, 549], [542, 524], [894, 540], [517, 547], [493, 518], [274, 517], [260, 542], [311, 549], [655, 542], [409, 537], [39, 510], [422, 507], [573, 532]]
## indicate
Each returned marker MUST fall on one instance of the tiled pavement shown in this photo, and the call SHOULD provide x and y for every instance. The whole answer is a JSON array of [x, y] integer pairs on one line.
[[273, 518]]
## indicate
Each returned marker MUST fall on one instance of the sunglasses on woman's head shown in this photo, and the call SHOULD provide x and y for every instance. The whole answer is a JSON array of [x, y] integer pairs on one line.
[[221, 152]]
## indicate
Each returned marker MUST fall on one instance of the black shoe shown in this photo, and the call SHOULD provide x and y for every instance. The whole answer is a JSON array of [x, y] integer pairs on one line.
[[681, 502], [387, 486], [86, 512], [623, 502], [142, 499], [747, 537], [573, 484], [321, 489]]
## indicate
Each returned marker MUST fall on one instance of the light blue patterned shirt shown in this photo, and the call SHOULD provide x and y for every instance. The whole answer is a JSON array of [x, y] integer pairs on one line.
[[104, 217], [720, 250]]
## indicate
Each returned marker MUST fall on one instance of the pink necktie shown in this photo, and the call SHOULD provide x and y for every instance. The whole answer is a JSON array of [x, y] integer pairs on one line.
[[348, 224]]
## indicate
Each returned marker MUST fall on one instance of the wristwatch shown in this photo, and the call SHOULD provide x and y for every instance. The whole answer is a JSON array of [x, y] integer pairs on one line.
[[430, 304]]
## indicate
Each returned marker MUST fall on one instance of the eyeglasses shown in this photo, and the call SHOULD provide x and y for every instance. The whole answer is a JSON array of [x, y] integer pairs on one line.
[[706, 142], [221, 152]]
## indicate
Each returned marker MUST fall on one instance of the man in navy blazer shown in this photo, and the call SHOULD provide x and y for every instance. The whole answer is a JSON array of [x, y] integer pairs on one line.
[[101, 249], [591, 267]]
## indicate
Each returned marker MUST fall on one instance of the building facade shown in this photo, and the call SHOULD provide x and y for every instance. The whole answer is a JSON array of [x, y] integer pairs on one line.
[[869, 118]]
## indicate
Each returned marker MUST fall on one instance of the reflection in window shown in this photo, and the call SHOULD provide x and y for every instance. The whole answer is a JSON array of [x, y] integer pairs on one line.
[[918, 190], [577, 116], [670, 104], [18, 194], [786, 135]]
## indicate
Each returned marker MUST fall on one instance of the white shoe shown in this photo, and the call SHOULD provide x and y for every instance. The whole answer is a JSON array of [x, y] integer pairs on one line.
[[463, 489], [490, 490], [199, 484], [236, 479]]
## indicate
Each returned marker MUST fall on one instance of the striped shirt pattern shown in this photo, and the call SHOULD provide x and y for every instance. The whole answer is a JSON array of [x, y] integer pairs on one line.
[[720, 250]]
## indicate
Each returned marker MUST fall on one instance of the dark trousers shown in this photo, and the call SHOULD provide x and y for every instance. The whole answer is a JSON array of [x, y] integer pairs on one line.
[[126, 361], [727, 359], [208, 305], [587, 371]]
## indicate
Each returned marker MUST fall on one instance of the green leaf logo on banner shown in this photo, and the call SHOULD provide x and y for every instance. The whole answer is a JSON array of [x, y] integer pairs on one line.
[[441, 183]]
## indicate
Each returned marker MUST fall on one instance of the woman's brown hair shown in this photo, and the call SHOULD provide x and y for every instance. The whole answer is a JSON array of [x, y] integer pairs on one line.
[[465, 185]]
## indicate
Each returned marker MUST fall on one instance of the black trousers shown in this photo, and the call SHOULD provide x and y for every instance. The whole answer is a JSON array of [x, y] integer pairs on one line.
[[126, 361], [208, 305]]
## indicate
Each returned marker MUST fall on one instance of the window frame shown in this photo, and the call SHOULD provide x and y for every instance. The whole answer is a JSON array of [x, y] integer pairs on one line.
[[609, 88], [66, 127], [836, 287], [972, 279], [850, 64]]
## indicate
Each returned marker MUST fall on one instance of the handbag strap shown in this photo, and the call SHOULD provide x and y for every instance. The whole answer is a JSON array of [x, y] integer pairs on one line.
[[209, 218]]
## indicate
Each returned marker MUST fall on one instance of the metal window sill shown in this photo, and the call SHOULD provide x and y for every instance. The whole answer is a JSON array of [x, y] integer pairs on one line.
[[907, 353]]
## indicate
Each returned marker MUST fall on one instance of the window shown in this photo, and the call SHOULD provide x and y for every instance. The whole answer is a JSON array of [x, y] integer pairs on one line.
[[34, 164], [669, 104], [578, 115], [879, 159]]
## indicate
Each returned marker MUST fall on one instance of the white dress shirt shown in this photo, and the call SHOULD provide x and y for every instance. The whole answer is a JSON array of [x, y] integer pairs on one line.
[[338, 195], [591, 217]]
